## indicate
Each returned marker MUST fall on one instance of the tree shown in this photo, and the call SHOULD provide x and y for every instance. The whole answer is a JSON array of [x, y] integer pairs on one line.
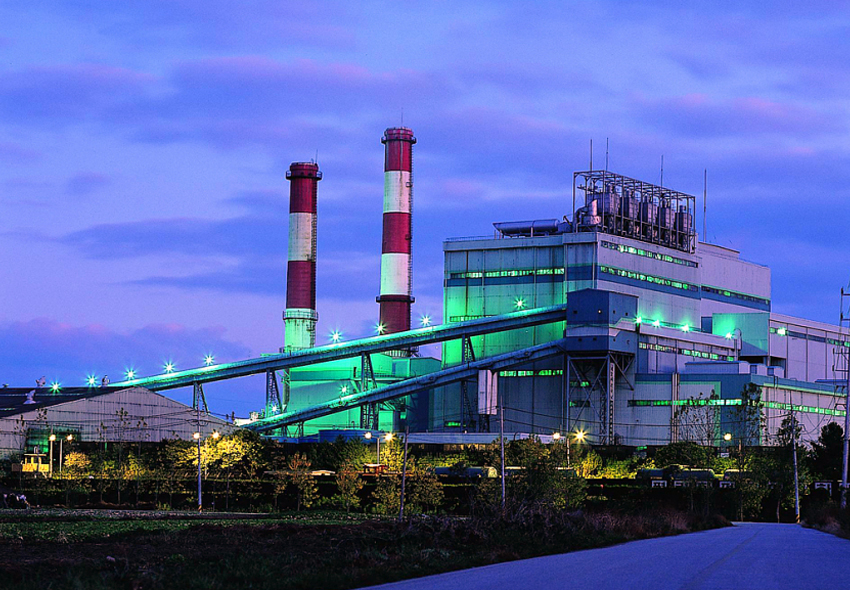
[[696, 420], [426, 491], [683, 453], [235, 454], [780, 464], [349, 484], [75, 474], [387, 495], [301, 477], [747, 422], [334, 455], [588, 464], [828, 452]]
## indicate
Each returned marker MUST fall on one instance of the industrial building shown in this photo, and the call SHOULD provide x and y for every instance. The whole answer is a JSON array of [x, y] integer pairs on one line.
[[96, 414], [657, 321], [614, 319]]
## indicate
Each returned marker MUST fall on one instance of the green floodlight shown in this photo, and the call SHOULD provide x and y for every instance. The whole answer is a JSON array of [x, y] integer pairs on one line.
[[657, 323], [343, 390], [638, 320], [519, 303], [91, 380], [728, 336], [686, 328], [55, 387], [781, 331]]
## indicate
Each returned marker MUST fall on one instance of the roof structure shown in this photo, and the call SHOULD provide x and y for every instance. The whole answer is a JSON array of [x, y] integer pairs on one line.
[[14, 400]]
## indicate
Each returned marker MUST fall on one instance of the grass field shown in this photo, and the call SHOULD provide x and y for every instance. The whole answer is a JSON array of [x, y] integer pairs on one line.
[[318, 551]]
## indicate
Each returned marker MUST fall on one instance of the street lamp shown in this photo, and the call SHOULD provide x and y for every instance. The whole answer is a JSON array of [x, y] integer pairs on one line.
[[69, 438], [727, 437], [52, 439], [197, 437]]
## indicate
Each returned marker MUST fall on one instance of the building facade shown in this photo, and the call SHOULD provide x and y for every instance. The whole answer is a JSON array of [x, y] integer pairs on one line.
[[663, 331]]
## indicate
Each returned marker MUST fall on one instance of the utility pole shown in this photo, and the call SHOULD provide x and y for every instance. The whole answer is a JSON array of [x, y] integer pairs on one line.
[[796, 473], [844, 319], [403, 474], [198, 438], [502, 450]]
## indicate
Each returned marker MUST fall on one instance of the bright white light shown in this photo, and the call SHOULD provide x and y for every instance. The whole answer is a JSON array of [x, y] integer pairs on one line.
[[55, 386], [686, 328], [426, 321], [368, 435], [657, 323], [556, 436], [169, 367], [336, 336], [131, 374], [209, 359]]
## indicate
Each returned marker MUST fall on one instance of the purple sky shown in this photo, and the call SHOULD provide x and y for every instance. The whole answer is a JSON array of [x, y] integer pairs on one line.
[[143, 148]]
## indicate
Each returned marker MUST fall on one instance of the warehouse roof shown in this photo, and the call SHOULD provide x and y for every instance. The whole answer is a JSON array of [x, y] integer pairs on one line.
[[15, 400]]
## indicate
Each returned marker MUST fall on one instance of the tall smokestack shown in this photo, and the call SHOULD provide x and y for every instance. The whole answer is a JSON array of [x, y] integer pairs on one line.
[[300, 317], [395, 298]]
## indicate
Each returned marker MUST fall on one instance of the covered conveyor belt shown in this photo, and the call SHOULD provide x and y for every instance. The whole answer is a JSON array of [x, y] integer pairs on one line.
[[409, 386], [332, 352]]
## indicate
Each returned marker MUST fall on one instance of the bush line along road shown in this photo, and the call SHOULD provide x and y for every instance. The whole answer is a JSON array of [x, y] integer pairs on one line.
[[287, 538]]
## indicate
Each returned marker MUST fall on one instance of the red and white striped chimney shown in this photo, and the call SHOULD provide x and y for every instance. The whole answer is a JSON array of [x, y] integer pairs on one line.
[[395, 298], [300, 317]]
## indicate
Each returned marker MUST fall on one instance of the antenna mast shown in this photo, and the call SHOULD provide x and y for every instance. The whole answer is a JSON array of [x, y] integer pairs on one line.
[[704, 196]]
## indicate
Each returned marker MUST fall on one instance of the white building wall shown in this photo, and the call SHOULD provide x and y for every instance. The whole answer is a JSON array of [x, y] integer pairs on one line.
[[150, 417]]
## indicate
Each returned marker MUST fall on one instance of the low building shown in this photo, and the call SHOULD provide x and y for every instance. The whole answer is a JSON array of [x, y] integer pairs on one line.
[[29, 416]]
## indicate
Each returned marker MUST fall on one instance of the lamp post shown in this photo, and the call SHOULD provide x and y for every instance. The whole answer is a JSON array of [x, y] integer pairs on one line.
[[580, 435], [387, 438], [368, 436], [197, 437], [69, 438], [52, 439]]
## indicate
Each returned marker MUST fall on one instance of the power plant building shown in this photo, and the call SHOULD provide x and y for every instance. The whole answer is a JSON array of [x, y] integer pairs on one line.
[[663, 331]]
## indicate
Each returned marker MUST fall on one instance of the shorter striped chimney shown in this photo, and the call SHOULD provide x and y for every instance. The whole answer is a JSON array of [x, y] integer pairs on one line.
[[300, 317]]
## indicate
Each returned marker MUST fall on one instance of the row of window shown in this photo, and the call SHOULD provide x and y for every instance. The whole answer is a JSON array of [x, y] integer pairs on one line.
[[735, 295], [465, 318], [491, 274], [639, 276], [684, 351], [781, 331], [540, 373], [733, 402], [647, 254]]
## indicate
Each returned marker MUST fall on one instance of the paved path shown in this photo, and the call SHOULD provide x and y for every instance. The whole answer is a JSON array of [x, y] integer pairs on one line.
[[748, 556]]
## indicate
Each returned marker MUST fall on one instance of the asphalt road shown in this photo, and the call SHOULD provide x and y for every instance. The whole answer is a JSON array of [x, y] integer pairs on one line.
[[747, 556]]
